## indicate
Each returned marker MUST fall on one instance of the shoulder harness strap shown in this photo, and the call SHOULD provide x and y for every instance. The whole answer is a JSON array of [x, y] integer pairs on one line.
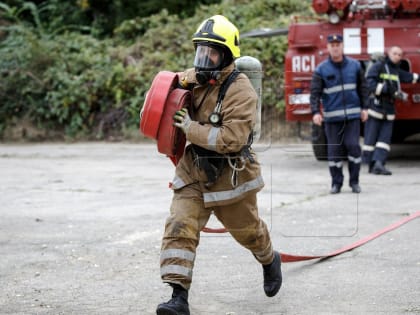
[[223, 89]]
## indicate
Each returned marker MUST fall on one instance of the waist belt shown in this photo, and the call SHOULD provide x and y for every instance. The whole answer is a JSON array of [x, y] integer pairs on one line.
[[213, 163]]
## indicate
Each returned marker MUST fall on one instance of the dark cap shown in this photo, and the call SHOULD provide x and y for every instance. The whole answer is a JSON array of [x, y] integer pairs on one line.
[[335, 38]]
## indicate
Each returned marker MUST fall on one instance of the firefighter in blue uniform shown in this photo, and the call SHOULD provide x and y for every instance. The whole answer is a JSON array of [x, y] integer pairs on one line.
[[340, 84], [383, 79]]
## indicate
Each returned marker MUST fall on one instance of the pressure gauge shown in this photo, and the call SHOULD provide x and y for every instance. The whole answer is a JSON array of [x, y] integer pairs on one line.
[[215, 119]]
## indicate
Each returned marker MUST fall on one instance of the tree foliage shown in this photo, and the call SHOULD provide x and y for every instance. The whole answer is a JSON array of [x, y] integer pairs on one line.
[[62, 75], [101, 16]]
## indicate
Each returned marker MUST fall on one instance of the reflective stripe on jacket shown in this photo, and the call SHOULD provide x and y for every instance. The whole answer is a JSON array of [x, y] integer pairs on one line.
[[383, 81]]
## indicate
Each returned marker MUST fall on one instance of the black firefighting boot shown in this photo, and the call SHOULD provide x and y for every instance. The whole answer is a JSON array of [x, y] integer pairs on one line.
[[379, 169], [177, 305], [272, 276]]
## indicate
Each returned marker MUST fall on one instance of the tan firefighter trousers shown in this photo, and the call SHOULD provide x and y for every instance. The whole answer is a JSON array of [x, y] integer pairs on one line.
[[188, 216]]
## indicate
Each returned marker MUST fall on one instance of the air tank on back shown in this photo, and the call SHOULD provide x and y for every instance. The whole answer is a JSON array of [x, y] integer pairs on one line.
[[253, 69]]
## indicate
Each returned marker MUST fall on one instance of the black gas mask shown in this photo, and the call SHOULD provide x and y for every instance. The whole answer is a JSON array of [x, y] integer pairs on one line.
[[208, 62]]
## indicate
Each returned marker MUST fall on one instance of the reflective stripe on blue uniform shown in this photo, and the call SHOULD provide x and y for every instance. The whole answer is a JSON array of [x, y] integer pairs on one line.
[[340, 96], [377, 139], [343, 144], [379, 127]]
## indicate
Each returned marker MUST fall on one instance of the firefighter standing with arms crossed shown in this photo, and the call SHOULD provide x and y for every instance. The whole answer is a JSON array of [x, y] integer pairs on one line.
[[383, 79], [340, 82], [219, 172]]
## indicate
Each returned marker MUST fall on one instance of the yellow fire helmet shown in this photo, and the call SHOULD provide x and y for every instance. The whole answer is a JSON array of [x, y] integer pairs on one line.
[[220, 31]]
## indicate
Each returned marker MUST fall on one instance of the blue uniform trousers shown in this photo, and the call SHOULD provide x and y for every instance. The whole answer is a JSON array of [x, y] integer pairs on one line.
[[343, 141], [378, 133]]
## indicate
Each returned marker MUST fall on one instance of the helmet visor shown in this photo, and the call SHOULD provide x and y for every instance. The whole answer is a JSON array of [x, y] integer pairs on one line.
[[207, 58]]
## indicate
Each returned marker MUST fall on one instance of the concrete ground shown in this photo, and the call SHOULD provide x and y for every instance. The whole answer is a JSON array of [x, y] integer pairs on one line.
[[81, 225]]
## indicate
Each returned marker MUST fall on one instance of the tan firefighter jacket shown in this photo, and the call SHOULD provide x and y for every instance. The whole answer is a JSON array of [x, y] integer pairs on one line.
[[239, 110]]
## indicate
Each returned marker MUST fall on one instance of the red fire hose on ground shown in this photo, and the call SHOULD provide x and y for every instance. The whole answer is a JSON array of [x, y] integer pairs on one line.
[[286, 258]]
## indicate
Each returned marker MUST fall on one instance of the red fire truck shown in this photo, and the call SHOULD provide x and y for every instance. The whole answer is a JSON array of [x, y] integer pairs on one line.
[[369, 27]]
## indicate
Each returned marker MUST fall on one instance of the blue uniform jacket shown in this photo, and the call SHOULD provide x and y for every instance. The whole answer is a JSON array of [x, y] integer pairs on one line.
[[341, 87], [383, 79]]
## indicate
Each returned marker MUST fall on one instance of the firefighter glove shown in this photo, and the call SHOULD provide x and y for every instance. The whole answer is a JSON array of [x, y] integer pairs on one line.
[[182, 120]]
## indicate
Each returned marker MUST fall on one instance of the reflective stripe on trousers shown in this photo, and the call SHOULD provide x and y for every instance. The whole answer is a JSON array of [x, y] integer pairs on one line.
[[377, 140], [343, 142], [188, 216]]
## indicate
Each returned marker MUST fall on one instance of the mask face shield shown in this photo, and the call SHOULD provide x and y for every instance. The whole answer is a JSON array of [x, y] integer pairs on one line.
[[207, 58]]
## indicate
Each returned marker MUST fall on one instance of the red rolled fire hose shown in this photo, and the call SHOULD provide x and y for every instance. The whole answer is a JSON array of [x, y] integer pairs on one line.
[[285, 258]]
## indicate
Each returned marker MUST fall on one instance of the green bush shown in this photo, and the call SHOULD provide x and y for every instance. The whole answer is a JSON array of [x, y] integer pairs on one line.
[[70, 82], [66, 79]]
